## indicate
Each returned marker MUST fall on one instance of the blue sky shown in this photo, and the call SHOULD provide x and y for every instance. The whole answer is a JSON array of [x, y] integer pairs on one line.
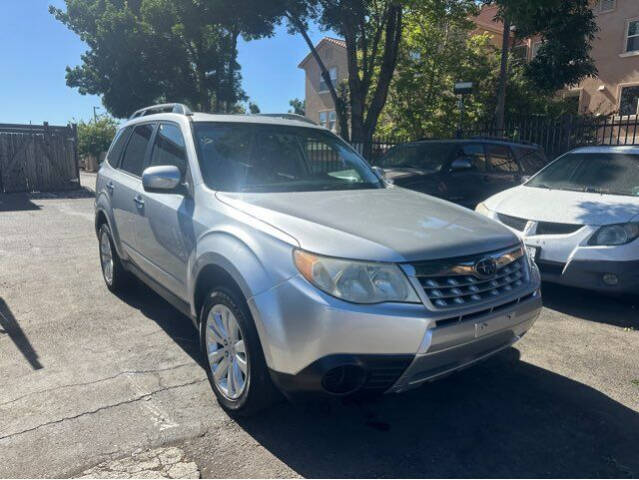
[[37, 48]]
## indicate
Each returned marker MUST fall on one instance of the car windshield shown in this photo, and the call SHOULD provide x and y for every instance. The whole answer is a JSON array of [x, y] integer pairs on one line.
[[426, 156], [262, 158], [614, 173]]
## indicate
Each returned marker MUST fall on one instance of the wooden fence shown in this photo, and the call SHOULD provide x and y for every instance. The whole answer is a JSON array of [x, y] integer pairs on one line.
[[38, 158]]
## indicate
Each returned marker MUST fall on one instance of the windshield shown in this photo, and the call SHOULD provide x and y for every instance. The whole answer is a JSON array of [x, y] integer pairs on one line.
[[614, 173], [427, 156], [262, 158]]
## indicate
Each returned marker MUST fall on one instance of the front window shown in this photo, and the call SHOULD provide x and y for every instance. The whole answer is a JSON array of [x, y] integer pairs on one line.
[[258, 158], [430, 157], [632, 42], [629, 103], [612, 173]]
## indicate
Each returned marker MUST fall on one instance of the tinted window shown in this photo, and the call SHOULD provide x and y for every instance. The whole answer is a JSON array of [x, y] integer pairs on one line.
[[169, 148], [426, 156], [133, 159], [115, 151], [252, 158], [531, 161], [614, 173], [500, 159], [475, 153]]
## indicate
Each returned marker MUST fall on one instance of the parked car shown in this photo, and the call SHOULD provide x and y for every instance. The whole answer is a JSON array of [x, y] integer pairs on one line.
[[462, 171], [302, 269], [580, 218]]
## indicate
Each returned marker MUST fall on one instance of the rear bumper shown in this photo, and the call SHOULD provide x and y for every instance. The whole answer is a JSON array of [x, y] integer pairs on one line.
[[589, 274]]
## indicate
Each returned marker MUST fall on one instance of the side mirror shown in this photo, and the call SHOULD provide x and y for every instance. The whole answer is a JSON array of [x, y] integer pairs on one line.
[[162, 179], [461, 164], [381, 174]]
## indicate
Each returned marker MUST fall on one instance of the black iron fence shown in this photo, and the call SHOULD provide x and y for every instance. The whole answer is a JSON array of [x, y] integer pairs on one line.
[[559, 135]]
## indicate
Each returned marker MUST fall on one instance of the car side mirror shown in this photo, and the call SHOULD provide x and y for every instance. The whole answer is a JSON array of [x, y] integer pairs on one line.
[[161, 179], [461, 164], [381, 174]]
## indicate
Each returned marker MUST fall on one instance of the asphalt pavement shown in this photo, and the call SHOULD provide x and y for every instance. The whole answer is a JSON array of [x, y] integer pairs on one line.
[[88, 377]]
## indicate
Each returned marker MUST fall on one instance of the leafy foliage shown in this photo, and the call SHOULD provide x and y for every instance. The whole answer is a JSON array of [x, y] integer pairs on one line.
[[143, 52], [95, 137], [297, 106]]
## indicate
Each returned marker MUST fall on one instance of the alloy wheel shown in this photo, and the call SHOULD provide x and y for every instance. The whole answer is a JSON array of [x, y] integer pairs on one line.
[[106, 257], [226, 351]]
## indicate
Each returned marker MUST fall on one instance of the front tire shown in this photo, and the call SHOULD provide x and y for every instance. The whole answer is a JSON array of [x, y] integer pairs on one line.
[[235, 362]]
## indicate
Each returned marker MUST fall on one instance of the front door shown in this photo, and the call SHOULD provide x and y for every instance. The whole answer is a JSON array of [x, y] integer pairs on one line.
[[503, 170], [468, 187], [166, 230]]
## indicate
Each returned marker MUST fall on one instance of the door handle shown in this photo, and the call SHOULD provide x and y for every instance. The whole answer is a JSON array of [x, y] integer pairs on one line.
[[139, 201], [109, 187]]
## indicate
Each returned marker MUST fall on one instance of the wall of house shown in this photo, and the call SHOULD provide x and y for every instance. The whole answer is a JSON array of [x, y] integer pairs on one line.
[[333, 56], [616, 69]]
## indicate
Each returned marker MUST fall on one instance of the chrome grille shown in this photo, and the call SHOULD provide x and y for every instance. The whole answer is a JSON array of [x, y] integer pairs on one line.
[[455, 283]]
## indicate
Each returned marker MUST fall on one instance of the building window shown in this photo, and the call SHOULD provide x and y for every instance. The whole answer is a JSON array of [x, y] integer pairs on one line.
[[520, 53], [328, 120], [632, 36], [323, 87], [629, 103], [535, 48], [603, 6]]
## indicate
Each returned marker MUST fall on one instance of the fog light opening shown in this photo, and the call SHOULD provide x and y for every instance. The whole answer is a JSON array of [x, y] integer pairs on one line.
[[344, 379], [611, 279]]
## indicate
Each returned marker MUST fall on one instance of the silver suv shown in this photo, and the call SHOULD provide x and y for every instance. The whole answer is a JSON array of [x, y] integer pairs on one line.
[[302, 268]]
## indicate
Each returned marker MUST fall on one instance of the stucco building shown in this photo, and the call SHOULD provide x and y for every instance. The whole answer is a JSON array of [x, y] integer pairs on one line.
[[616, 54]]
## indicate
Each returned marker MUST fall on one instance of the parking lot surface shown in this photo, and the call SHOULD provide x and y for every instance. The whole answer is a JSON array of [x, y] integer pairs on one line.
[[87, 377]]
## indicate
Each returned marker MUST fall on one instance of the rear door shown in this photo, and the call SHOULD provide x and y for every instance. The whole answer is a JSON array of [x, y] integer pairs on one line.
[[503, 171], [128, 205], [165, 226], [467, 187]]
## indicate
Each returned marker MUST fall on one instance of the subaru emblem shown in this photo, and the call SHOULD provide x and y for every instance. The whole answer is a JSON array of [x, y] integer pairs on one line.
[[486, 268]]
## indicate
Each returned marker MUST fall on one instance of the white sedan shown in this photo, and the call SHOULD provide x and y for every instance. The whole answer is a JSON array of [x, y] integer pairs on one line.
[[579, 218]]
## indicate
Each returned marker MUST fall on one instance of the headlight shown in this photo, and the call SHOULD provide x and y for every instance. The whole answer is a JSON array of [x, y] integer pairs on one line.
[[355, 281], [482, 209], [615, 234]]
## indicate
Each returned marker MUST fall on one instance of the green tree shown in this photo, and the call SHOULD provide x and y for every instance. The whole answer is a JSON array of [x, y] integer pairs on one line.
[[567, 29], [147, 51], [253, 108], [437, 51], [297, 106], [95, 137]]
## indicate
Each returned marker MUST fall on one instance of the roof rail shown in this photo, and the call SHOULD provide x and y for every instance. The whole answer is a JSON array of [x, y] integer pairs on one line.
[[288, 116], [162, 108]]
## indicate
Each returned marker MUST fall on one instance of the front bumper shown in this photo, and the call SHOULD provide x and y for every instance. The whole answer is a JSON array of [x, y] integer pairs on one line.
[[308, 336], [590, 274]]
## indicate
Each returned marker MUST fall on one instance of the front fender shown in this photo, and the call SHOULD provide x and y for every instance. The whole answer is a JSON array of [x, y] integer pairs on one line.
[[255, 264]]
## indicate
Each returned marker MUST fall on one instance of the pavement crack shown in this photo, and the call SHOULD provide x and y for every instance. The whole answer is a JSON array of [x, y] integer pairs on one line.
[[105, 407], [93, 382]]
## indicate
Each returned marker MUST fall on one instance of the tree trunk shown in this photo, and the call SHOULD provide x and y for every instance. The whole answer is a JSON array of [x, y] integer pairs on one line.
[[503, 79], [340, 109]]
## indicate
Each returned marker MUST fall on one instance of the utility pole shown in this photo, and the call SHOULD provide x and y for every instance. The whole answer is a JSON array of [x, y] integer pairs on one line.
[[95, 115], [503, 78]]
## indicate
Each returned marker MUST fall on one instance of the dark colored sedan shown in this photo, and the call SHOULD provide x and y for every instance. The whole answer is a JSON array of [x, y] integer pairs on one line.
[[461, 171]]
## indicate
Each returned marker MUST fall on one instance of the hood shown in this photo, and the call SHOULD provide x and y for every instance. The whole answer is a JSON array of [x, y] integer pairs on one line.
[[560, 206], [389, 225]]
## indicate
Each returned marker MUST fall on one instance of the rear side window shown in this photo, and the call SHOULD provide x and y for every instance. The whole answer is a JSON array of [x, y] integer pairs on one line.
[[531, 161], [133, 160], [117, 146], [500, 159], [169, 148]]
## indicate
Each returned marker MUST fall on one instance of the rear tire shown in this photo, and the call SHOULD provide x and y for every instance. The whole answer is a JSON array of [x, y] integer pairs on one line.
[[235, 363], [114, 275]]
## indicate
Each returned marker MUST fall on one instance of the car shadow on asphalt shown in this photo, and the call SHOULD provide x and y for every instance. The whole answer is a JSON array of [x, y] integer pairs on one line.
[[10, 326], [592, 306], [176, 325], [502, 418]]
